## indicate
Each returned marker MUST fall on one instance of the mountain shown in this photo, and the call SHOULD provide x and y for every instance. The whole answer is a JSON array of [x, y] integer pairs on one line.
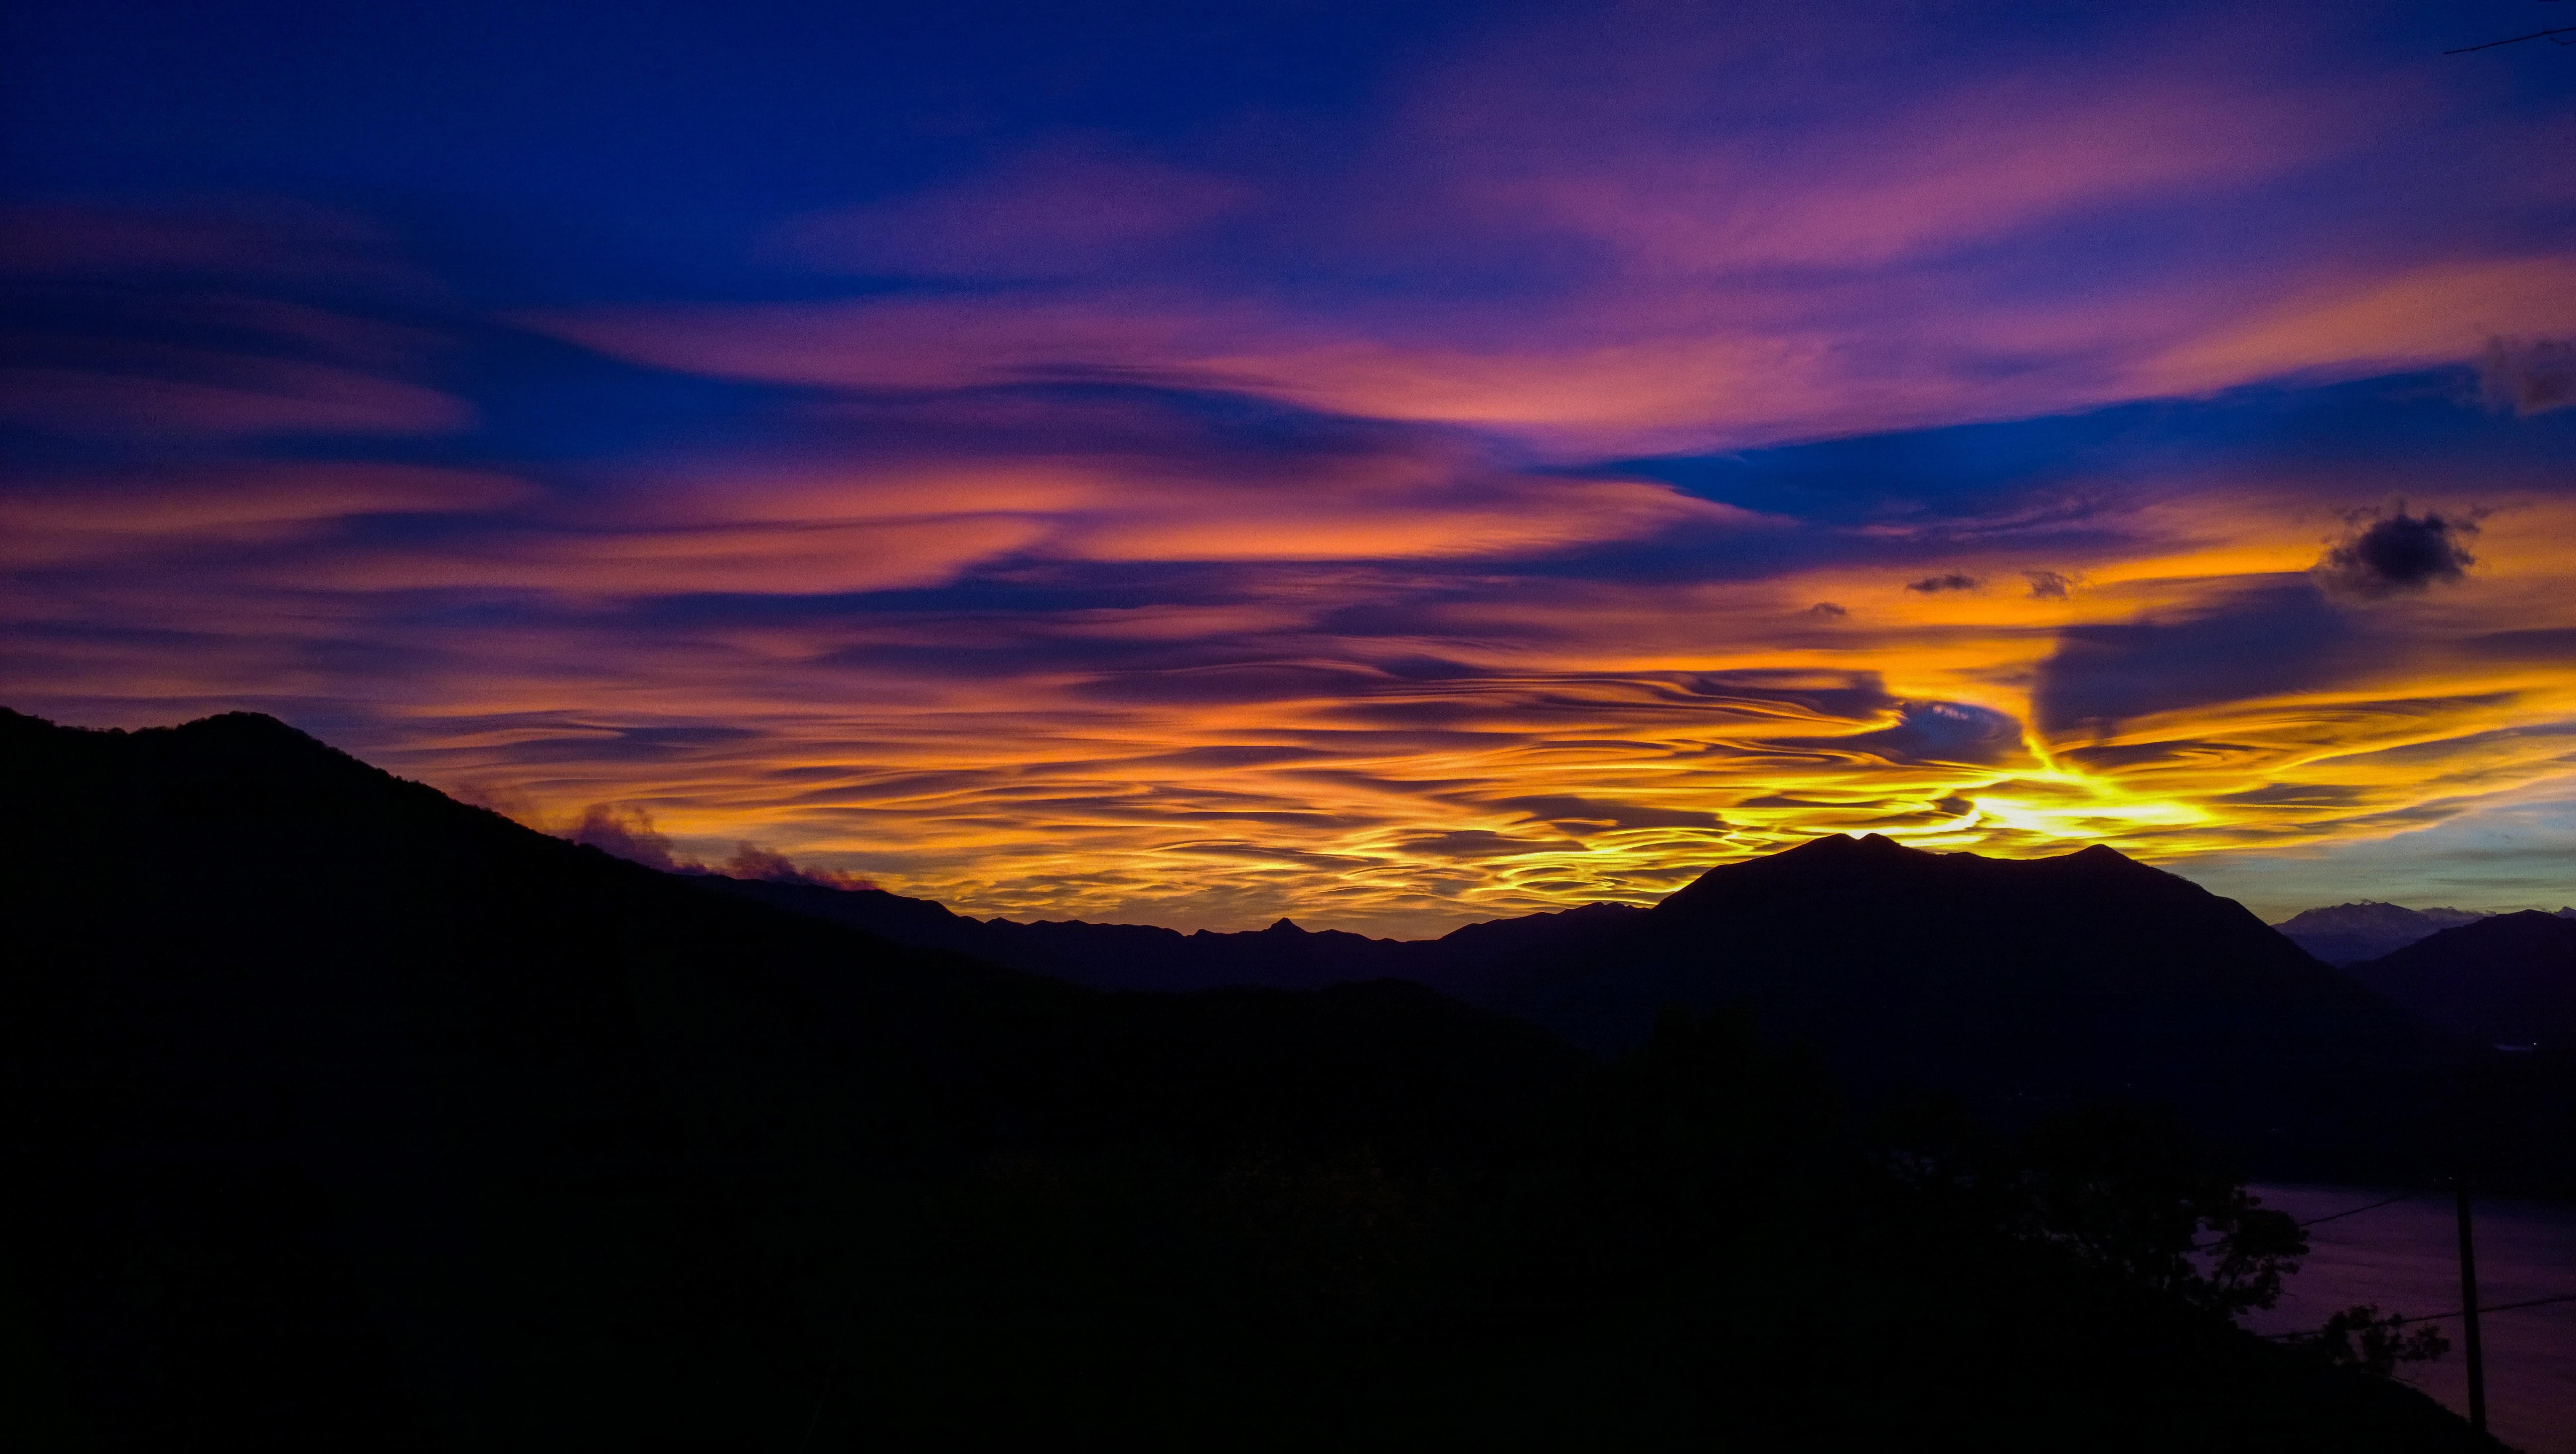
[[2020, 984], [2509, 979], [2350, 933], [2016, 983], [339, 1115], [342, 1113], [1145, 957]]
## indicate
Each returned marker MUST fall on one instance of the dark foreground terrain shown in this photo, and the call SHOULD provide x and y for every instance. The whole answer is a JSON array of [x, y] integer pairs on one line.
[[342, 1115]]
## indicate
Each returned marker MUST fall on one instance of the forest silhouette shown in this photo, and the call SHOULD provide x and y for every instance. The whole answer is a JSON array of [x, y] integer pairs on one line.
[[351, 1116]]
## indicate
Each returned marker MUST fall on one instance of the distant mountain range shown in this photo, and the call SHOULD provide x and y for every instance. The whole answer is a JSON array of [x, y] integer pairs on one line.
[[343, 1115], [1145, 957], [1475, 962], [2351, 933], [1903, 964], [2020, 984]]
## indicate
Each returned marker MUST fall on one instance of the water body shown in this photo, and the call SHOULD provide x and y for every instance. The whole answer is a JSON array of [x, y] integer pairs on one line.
[[2405, 1258]]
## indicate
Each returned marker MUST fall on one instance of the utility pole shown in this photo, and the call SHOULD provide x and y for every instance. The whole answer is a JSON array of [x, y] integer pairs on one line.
[[2469, 1314]]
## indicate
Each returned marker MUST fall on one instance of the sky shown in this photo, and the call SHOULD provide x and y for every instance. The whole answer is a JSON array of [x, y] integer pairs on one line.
[[1388, 465]]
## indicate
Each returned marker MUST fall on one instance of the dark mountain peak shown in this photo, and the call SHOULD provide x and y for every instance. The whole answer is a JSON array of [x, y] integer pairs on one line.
[[2099, 861], [1833, 858], [2504, 978], [1285, 925], [246, 727], [1609, 907], [221, 729], [1840, 865], [2086, 969], [1845, 846], [245, 766], [2520, 924]]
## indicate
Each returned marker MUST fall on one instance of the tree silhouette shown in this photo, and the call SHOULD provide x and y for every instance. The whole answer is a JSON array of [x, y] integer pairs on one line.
[[2358, 1337]]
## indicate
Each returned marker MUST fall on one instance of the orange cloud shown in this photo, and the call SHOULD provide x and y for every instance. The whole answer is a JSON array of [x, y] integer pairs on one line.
[[1146, 539], [223, 506]]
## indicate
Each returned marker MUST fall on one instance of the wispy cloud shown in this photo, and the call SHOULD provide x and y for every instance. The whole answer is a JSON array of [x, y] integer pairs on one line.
[[1179, 529]]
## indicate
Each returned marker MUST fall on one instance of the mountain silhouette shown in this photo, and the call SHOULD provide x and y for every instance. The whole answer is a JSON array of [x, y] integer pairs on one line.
[[2509, 979], [2350, 933], [2018, 983], [1146, 957], [340, 1115], [2014, 982], [333, 1101]]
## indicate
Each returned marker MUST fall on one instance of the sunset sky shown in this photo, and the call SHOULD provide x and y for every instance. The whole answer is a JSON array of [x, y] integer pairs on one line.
[[1391, 465]]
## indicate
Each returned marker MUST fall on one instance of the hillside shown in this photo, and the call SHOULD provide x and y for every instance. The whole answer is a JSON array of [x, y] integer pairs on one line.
[[1147, 957], [2018, 983], [345, 1116], [2508, 980], [342, 1101]]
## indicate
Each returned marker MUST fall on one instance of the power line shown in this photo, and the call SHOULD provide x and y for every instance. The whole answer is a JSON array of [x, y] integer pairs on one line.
[[2516, 40], [2538, 1302], [2356, 1211], [2329, 1217]]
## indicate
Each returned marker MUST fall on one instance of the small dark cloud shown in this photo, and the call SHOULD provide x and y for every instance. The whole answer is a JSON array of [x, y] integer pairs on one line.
[[2529, 376], [2399, 552], [2049, 585], [1825, 609], [1954, 581]]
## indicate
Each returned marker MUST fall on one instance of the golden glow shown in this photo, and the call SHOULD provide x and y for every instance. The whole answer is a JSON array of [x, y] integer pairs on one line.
[[1579, 741], [1448, 752]]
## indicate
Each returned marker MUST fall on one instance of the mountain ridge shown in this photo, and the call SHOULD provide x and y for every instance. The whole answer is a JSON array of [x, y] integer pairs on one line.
[[2018, 983], [348, 1116], [2342, 934], [1283, 955], [2505, 979], [287, 1042]]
